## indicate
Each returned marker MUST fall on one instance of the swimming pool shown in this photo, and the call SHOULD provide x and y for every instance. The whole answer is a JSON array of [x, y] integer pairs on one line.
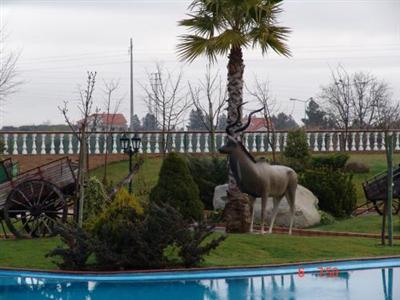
[[365, 279]]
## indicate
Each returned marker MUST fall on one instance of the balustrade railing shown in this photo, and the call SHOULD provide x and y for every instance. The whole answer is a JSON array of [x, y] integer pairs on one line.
[[37, 143]]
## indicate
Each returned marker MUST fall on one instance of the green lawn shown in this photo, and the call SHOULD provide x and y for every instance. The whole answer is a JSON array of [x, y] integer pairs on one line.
[[237, 250], [149, 171], [366, 224]]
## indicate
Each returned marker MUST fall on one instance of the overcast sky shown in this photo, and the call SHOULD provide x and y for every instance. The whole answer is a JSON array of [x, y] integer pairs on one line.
[[60, 40]]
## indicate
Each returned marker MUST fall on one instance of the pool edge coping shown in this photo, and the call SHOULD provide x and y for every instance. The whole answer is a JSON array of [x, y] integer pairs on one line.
[[198, 269]]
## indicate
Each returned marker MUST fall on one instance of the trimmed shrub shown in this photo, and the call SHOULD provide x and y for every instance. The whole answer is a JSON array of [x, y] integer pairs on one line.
[[96, 199], [326, 218], [333, 162], [79, 247], [356, 167], [334, 189], [177, 188], [296, 153], [126, 239], [208, 173]]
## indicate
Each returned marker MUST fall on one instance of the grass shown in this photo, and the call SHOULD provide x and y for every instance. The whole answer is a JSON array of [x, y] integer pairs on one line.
[[237, 250], [365, 224], [148, 175]]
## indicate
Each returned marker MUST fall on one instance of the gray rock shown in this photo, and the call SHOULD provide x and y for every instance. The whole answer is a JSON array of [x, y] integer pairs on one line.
[[306, 213]]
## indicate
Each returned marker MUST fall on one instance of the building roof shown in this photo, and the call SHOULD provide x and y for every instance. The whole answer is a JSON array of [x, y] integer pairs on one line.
[[103, 119], [258, 124]]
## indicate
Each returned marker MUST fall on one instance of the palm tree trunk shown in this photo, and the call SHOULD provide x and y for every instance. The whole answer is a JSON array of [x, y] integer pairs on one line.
[[237, 213]]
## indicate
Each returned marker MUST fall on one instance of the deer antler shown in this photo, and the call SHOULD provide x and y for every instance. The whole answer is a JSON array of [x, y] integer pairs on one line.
[[244, 127], [228, 128]]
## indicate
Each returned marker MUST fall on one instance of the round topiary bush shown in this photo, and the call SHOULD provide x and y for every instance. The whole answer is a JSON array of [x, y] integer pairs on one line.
[[177, 188]]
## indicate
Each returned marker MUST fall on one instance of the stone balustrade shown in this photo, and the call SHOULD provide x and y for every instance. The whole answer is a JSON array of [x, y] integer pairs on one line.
[[36, 143]]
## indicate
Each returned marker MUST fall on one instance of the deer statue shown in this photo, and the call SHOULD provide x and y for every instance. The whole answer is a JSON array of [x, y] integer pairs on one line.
[[259, 178]]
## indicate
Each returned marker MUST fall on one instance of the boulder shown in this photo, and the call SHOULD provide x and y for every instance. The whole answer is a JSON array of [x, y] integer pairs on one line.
[[306, 213]]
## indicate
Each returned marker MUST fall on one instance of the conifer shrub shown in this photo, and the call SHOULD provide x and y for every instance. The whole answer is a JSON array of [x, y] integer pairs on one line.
[[296, 153], [333, 188], [208, 173], [96, 199], [177, 188], [336, 161]]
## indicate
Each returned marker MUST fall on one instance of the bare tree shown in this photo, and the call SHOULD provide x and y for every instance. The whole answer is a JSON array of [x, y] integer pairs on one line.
[[355, 100], [261, 92], [369, 93], [82, 132], [209, 98], [111, 107], [9, 81], [166, 99], [339, 98]]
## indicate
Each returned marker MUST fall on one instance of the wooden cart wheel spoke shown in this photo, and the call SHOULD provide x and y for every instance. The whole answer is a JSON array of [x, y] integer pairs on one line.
[[33, 207], [24, 196], [20, 203], [17, 210]]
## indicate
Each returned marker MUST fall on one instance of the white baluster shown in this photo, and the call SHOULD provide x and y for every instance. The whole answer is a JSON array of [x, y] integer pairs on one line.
[[157, 145], [141, 135], [348, 142], [182, 142], [15, 145], [353, 141], [323, 142], [34, 151], [114, 137], [309, 140], [330, 141], [70, 148], [198, 145], [78, 147], [5, 150], [206, 137], [173, 142], [284, 140], [397, 141], [278, 142], [375, 145], [254, 144], [43, 144], [383, 143], [24, 147], [52, 146], [367, 141], [97, 145], [61, 148], [190, 146], [316, 142], [262, 142]]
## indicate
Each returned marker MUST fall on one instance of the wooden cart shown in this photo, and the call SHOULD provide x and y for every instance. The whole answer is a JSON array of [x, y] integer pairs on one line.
[[32, 202], [375, 190]]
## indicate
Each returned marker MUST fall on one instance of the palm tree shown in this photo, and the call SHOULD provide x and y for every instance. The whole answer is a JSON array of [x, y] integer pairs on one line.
[[225, 27]]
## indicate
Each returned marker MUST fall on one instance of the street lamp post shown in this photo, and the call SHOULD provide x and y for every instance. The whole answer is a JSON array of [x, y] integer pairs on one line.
[[130, 147], [303, 101]]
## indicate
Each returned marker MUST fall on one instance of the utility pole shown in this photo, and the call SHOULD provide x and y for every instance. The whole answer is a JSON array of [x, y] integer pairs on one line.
[[389, 156], [131, 89], [155, 85]]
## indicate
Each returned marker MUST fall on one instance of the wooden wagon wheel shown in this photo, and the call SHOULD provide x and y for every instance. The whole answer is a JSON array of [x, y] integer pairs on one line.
[[33, 208], [379, 206]]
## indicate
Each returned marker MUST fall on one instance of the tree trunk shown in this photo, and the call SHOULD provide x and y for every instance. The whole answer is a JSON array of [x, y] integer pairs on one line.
[[235, 98]]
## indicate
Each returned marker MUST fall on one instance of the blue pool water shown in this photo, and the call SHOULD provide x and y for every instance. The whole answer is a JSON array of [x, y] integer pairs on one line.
[[373, 279]]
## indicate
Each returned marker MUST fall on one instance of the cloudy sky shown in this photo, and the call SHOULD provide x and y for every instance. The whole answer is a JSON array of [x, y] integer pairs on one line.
[[60, 40]]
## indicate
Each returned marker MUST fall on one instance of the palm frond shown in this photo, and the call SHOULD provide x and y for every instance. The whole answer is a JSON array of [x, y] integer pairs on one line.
[[193, 46]]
